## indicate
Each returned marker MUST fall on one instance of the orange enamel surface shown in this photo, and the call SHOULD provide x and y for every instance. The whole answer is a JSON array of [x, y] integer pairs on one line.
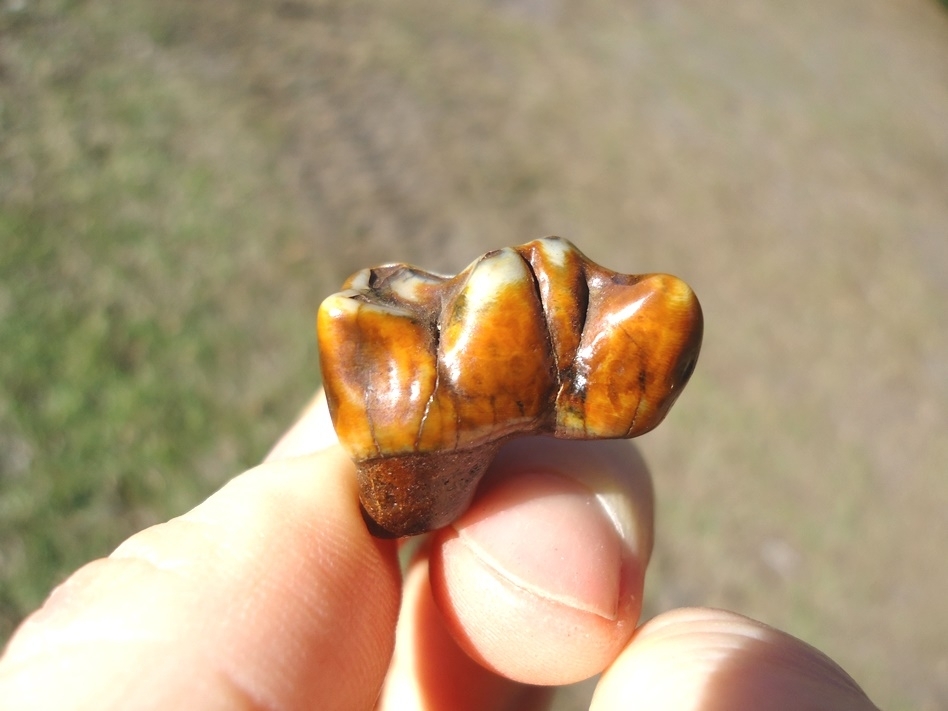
[[628, 367], [440, 429], [339, 343], [396, 351], [494, 351], [387, 368], [558, 269], [432, 372]]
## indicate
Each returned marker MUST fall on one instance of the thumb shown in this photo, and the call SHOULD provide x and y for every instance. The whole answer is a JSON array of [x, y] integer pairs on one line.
[[710, 660]]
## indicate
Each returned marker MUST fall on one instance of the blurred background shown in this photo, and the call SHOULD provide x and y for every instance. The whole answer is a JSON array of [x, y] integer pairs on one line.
[[181, 184]]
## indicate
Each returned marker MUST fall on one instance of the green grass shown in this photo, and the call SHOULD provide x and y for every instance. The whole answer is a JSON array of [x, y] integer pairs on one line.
[[127, 273]]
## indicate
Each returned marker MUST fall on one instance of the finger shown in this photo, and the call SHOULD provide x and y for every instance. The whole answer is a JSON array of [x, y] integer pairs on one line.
[[429, 672], [312, 432], [271, 594], [541, 580], [703, 660]]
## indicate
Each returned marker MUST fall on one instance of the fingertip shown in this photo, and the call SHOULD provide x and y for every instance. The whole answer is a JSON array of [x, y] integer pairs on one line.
[[430, 671], [703, 659], [541, 580]]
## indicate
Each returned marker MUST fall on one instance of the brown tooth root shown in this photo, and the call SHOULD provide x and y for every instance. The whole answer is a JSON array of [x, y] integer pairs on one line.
[[427, 375]]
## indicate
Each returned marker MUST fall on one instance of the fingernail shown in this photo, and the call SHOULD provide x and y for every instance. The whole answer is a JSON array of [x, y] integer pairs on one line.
[[548, 534]]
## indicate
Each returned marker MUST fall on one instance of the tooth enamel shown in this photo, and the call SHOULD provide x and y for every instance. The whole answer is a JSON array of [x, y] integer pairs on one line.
[[426, 375]]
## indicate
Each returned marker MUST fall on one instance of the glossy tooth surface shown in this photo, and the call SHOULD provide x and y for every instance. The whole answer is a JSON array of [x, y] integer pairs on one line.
[[426, 375]]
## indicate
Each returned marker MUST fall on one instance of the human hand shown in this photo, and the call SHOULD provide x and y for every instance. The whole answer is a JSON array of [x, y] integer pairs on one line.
[[271, 594]]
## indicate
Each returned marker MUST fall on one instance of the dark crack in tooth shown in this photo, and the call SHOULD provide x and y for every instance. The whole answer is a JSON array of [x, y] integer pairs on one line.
[[558, 270], [640, 330], [427, 375]]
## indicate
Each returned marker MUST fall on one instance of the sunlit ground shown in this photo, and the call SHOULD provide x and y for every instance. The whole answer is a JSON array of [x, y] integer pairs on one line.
[[181, 183]]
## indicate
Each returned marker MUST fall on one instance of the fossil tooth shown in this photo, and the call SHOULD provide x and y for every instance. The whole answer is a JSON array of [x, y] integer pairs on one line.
[[427, 375]]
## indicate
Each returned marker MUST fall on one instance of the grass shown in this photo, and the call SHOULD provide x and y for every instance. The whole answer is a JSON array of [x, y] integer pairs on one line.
[[127, 274], [181, 183]]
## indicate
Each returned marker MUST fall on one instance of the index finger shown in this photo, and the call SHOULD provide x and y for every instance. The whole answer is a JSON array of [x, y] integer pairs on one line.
[[270, 594]]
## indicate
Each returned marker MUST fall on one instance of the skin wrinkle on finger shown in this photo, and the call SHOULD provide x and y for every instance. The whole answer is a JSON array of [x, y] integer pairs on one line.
[[517, 634], [518, 581], [579, 568]]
